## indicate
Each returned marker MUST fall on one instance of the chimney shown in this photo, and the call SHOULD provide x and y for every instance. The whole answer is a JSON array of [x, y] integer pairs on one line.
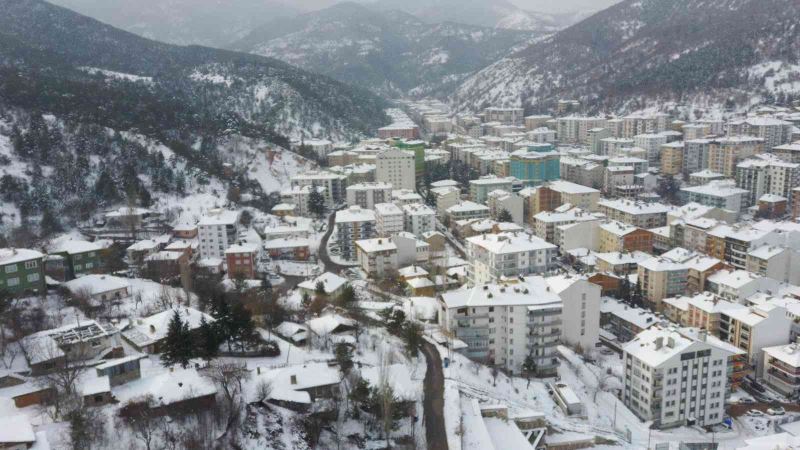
[[258, 370], [293, 379], [702, 335], [671, 342], [659, 342]]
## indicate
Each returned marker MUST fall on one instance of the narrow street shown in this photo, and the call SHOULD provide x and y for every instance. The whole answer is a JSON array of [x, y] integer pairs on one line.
[[433, 404], [330, 266]]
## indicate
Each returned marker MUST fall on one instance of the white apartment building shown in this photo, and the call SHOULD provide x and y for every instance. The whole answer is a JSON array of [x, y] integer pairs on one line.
[[721, 194], [396, 167], [389, 219], [499, 201], [782, 368], [353, 224], [504, 115], [578, 195], [217, 230], [611, 146], [762, 176], [773, 131], [402, 197], [445, 197], [652, 143], [494, 257], [504, 323], [299, 196], [479, 189], [639, 214], [545, 223], [637, 124], [366, 195], [377, 256], [674, 380], [418, 219], [334, 184], [575, 129], [639, 165], [466, 210]]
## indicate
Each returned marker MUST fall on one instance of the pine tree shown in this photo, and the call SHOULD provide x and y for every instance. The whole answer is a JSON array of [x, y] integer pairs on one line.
[[316, 203], [504, 216], [209, 342], [177, 344], [529, 367]]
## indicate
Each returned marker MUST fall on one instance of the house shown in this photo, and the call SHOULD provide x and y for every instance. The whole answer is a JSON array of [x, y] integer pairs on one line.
[[82, 257], [138, 252], [23, 391], [620, 237], [241, 260], [96, 391], [16, 433], [147, 334], [298, 249], [166, 264], [292, 332], [332, 285], [120, 370], [21, 270], [624, 322], [296, 387], [170, 392], [75, 342], [331, 328], [99, 288], [184, 231]]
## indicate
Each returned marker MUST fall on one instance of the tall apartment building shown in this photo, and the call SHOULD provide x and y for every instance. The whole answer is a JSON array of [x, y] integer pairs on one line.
[[788, 152], [494, 257], [639, 165], [661, 277], [334, 184], [377, 256], [672, 158], [536, 121], [546, 222], [652, 144], [582, 172], [418, 219], [396, 167], [466, 210], [616, 236], [695, 131], [637, 124], [479, 189], [695, 155], [445, 197], [767, 176], [499, 201], [724, 154], [575, 129], [389, 219], [217, 230], [611, 146], [504, 115], [502, 324], [353, 224], [299, 196], [773, 131], [366, 195], [535, 165], [674, 380], [639, 214], [595, 137], [782, 368]]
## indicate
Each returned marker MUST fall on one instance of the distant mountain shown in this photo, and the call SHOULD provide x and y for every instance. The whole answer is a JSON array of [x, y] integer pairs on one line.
[[212, 23], [390, 52], [78, 98], [644, 52]]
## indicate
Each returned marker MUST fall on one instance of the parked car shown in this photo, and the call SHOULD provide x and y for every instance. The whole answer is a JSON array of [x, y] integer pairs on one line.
[[755, 413], [776, 411]]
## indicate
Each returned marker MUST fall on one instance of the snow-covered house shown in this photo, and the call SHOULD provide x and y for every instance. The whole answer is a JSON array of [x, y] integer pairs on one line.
[[80, 341], [16, 433], [99, 288], [183, 389], [332, 328], [147, 334], [333, 285], [295, 387]]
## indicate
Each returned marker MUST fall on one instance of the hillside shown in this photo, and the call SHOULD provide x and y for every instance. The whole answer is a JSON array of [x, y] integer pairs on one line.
[[390, 52], [91, 117], [639, 52], [184, 22]]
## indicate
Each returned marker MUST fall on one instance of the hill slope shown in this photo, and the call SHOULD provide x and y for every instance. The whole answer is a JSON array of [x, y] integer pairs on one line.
[[390, 52], [641, 51]]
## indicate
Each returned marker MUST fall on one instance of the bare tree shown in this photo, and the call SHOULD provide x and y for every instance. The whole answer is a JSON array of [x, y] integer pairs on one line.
[[62, 378], [264, 390], [230, 377], [143, 421]]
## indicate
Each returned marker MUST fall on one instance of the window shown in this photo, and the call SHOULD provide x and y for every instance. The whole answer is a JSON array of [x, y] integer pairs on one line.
[[33, 277], [31, 264], [12, 281], [11, 268]]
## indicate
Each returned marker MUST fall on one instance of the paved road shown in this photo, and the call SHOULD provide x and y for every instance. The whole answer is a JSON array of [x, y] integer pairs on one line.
[[433, 404], [330, 266]]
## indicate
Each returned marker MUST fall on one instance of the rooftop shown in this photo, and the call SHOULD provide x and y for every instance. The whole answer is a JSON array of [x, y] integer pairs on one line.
[[16, 255], [509, 242], [633, 207]]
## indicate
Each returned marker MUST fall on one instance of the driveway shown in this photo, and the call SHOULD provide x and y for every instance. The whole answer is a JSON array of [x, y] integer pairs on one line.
[[330, 266], [433, 403]]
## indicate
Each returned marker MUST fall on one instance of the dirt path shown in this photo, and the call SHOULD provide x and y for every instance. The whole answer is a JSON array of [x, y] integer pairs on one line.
[[433, 404]]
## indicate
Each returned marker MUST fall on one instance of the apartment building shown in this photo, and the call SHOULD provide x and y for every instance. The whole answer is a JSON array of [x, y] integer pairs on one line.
[[582, 172], [695, 155], [353, 224], [479, 189], [535, 164], [652, 143], [396, 167], [642, 124], [636, 213], [612, 146], [617, 180], [639, 165], [241, 260], [721, 194], [366, 195], [217, 230], [402, 197], [445, 197], [760, 176], [754, 328], [672, 158], [661, 277], [502, 324], [575, 129], [389, 219], [620, 237], [504, 115], [620, 263], [21, 270], [499, 201], [594, 139], [695, 131], [334, 184], [578, 195], [377, 256], [782, 368], [495, 257], [724, 154], [773, 131], [624, 321], [673, 380], [466, 210], [418, 219], [299, 196], [788, 152], [546, 222]]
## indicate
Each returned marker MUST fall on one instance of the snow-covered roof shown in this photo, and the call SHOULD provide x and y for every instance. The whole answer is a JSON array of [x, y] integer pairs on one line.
[[491, 180], [96, 284], [152, 329], [634, 207], [294, 331], [618, 258], [322, 326], [639, 317], [16, 429], [772, 198], [387, 209], [219, 217], [73, 246], [418, 209], [568, 187], [419, 283], [376, 245], [467, 206], [17, 255], [789, 353], [661, 264], [618, 228], [766, 251], [711, 304], [413, 271], [734, 279], [355, 214], [370, 186], [330, 281], [290, 383], [570, 215], [95, 385], [504, 243], [656, 345], [165, 256], [444, 183], [533, 291], [170, 387], [718, 188], [243, 247]]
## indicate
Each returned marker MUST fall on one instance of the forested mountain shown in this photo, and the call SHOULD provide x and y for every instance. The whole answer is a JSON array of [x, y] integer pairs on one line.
[[82, 99], [391, 52], [711, 52], [202, 22]]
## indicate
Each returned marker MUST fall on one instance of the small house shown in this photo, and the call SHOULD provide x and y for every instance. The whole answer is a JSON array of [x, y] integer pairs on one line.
[[16, 433], [333, 285], [121, 370], [96, 392], [99, 288], [147, 334]]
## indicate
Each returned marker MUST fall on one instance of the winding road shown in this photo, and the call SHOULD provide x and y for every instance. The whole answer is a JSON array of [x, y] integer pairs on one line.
[[330, 266]]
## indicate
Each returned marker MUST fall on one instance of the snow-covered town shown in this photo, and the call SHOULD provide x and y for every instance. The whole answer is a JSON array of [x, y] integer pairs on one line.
[[450, 225]]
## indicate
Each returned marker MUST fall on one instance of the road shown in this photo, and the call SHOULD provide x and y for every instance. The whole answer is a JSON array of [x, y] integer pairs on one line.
[[330, 266], [433, 404]]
